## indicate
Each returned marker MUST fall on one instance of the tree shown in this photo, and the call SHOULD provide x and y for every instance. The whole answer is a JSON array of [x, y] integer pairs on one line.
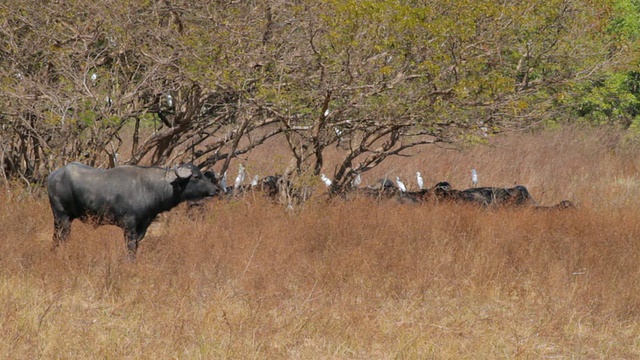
[[210, 81], [382, 77], [613, 96], [76, 74]]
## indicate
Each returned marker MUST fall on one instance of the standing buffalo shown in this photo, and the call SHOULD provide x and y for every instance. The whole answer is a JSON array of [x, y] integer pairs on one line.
[[127, 196]]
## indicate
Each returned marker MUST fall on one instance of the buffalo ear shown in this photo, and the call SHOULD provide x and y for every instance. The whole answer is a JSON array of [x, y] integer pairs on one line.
[[183, 172], [178, 173], [211, 176]]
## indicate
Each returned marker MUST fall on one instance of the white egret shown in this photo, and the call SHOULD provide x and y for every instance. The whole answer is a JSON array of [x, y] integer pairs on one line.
[[420, 180], [356, 182], [239, 178], [325, 180], [400, 185], [474, 177], [223, 182], [326, 113], [254, 181]]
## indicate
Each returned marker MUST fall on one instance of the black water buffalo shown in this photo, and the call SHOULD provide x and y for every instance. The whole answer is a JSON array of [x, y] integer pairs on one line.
[[126, 196], [441, 191], [485, 196], [517, 196], [270, 185], [386, 189], [382, 189]]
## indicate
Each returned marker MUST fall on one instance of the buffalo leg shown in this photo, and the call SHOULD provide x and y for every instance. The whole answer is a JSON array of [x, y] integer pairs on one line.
[[130, 236], [132, 239], [134, 231], [61, 230]]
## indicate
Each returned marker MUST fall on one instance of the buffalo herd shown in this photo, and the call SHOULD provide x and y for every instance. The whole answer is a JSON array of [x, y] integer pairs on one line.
[[442, 192], [131, 197]]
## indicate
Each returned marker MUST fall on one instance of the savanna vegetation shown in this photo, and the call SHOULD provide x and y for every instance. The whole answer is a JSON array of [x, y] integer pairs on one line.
[[539, 93], [350, 280], [210, 81]]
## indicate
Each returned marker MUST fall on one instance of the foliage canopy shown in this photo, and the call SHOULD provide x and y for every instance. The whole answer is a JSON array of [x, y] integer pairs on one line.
[[375, 77]]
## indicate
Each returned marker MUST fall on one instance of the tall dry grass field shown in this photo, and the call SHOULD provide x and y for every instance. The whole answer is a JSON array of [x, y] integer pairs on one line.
[[349, 280]]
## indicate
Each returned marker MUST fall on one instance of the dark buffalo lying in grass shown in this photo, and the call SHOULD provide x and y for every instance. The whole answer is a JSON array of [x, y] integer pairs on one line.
[[382, 189], [270, 185], [442, 192], [517, 196], [386, 189]]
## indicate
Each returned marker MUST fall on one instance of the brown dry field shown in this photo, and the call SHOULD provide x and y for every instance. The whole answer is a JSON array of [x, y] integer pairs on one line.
[[349, 280]]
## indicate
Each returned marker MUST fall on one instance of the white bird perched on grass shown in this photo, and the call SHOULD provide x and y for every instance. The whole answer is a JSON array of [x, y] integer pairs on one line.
[[420, 180], [223, 182], [474, 177], [254, 181], [400, 184], [239, 178], [356, 182], [325, 180]]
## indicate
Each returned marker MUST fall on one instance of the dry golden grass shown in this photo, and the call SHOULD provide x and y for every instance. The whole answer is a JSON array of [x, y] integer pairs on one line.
[[355, 280]]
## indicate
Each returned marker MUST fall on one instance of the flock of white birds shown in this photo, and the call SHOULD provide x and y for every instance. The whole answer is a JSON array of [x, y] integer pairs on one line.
[[328, 182], [401, 186]]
